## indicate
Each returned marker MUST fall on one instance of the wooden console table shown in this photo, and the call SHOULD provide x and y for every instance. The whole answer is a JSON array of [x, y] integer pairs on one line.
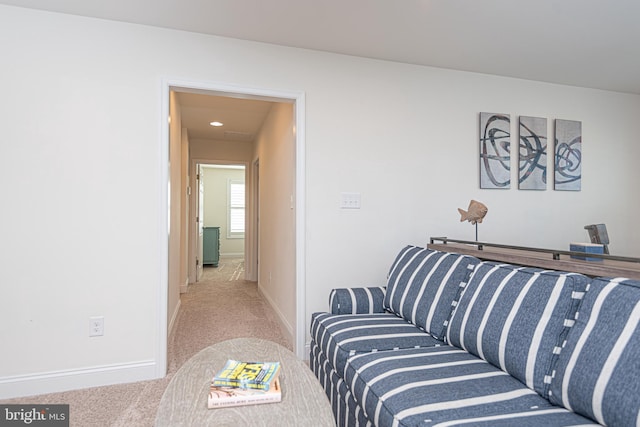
[[609, 266]]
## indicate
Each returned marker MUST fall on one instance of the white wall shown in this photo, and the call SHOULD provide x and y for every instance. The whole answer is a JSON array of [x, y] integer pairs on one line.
[[82, 136], [275, 149]]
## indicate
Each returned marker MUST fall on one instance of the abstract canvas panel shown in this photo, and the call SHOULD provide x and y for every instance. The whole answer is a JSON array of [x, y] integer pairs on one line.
[[495, 146], [532, 162], [568, 155]]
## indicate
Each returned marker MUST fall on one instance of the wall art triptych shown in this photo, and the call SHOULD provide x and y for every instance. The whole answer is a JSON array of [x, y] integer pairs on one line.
[[568, 158], [496, 153]]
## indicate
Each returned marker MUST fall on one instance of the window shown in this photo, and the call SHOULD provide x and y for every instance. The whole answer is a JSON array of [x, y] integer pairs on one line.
[[236, 209]]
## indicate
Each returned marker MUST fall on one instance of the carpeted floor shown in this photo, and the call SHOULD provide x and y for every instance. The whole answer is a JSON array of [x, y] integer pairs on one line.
[[219, 307]]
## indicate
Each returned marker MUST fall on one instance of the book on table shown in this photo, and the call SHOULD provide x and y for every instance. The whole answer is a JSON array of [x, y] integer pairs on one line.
[[224, 397], [247, 375]]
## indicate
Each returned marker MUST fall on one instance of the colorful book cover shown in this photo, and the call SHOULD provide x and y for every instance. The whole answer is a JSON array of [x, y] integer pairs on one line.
[[221, 397], [254, 375]]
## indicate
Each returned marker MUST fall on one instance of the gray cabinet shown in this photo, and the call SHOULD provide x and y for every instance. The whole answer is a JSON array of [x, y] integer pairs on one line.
[[211, 246]]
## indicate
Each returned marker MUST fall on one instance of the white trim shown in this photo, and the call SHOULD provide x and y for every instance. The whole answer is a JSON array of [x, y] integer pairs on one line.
[[230, 165], [183, 289], [230, 182], [252, 241], [280, 315], [73, 379], [301, 308], [232, 255], [174, 317], [162, 297], [307, 350], [224, 89]]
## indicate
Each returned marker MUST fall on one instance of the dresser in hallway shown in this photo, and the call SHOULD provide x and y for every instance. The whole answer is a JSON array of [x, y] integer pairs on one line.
[[211, 246]]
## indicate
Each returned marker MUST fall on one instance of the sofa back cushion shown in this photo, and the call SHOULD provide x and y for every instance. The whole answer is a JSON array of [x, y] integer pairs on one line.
[[598, 371], [423, 284], [516, 318]]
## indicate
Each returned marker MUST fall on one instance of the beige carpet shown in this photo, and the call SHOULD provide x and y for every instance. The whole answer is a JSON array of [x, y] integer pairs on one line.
[[219, 307]]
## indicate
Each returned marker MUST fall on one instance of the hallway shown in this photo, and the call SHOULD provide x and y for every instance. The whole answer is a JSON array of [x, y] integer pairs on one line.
[[221, 306]]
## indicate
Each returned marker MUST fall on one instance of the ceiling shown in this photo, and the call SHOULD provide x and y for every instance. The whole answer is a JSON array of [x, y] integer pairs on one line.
[[585, 43], [241, 118]]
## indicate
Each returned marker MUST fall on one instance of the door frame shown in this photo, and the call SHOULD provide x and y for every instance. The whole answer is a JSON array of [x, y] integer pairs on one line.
[[297, 98], [196, 164], [254, 218]]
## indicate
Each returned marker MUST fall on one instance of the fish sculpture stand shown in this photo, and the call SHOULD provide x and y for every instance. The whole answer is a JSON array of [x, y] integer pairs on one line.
[[474, 214]]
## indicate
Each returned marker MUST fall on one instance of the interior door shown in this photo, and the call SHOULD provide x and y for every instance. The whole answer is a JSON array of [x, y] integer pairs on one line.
[[200, 220]]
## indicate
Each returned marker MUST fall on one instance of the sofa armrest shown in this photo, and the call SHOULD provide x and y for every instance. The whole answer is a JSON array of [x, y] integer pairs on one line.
[[357, 300]]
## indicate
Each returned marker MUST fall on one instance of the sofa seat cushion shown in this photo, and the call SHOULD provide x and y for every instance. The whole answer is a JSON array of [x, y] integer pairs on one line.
[[430, 386], [517, 319], [598, 371], [339, 336], [346, 410], [423, 284]]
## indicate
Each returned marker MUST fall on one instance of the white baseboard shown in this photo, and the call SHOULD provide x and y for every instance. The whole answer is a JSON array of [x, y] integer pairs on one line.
[[231, 254], [59, 381], [174, 316], [307, 351], [184, 287], [284, 325]]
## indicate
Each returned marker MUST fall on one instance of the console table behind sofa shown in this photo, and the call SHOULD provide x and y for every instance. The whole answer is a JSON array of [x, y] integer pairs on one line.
[[609, 266]]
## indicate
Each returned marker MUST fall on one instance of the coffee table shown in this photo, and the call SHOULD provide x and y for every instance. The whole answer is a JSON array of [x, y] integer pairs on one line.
[[304, 402]]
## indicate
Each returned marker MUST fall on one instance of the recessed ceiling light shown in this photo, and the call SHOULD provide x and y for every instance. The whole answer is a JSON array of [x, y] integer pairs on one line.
[[215, 124]]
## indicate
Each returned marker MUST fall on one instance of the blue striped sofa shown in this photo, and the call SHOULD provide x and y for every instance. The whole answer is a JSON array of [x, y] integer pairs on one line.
[[451, 340]]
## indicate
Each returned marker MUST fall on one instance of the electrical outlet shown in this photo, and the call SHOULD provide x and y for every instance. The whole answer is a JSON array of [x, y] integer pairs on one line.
[[96, 326]]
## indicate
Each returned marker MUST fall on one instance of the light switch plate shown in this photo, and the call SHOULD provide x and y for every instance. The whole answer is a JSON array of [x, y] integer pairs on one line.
[[350, 201]]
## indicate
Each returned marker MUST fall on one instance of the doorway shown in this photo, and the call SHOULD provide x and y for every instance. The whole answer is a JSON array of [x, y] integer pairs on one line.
[[221, 207], [166, 288]]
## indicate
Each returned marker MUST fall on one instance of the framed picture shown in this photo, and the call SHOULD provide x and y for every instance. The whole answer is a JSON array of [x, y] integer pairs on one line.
[[532, 151], [495, 146], [568, 155]]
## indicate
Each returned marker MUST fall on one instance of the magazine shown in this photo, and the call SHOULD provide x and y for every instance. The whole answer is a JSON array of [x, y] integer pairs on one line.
[[221, 397], [249, 375]]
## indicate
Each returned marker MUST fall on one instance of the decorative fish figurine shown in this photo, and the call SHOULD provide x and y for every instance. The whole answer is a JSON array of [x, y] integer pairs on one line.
[[474, 213]]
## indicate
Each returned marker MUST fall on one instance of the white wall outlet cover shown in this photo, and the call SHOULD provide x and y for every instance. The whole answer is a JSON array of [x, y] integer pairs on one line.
[[96, 326]]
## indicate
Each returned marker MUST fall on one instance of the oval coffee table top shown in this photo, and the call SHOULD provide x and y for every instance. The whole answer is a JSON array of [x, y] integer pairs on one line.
[[304, 402]]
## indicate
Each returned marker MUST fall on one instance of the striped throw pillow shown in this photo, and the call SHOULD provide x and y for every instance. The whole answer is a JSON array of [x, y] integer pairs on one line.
[[516, 318], [356, 300], [598, 372]]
